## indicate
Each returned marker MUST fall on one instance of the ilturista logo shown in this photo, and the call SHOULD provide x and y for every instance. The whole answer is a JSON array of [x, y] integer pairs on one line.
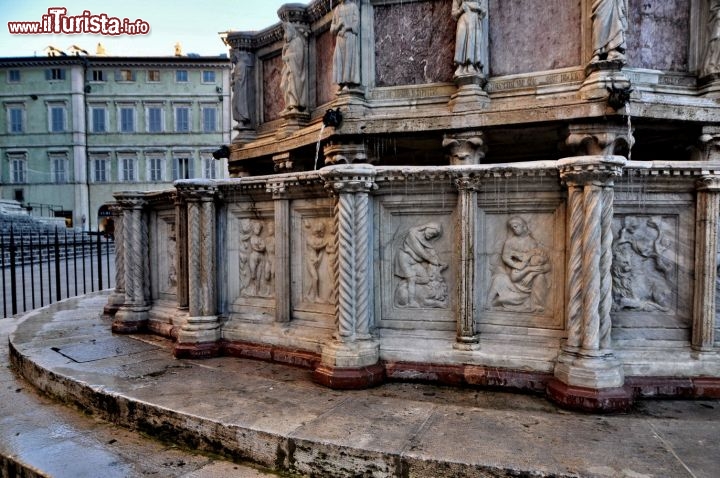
[[57, 21]]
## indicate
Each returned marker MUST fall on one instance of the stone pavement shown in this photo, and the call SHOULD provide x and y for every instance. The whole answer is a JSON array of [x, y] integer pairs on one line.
[[274, 416]]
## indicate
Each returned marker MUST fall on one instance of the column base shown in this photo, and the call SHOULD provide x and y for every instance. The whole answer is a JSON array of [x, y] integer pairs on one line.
[[589, 369], [201, 350], [584, 399], [199, 337], [115, 301], [467, 343], [350, 366], [130, 319]]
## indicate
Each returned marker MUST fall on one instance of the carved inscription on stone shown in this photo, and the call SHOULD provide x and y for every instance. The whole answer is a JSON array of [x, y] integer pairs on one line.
[[520, 275], [256, 258], [317, 260], [419, 269], [643, 268]]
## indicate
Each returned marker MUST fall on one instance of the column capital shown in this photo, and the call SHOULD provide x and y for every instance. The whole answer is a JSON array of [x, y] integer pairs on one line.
[[130, 200], [710, 143], [465, 182], [468, 147], [347, 153], [598, 170], [709, 183], [599, 139], [277, 188], [349, 179], [197, 191]]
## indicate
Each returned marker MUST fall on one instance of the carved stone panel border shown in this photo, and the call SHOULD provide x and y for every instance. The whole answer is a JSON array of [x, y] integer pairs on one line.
[[312, 251], [416, 263], [521, 265], [250, 260]]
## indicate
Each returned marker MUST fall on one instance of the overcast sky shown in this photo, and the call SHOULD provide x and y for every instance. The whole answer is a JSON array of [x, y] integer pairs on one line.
[[193, 23]]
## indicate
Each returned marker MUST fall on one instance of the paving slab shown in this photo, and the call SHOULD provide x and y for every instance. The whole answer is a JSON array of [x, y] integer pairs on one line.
[[276, 417]]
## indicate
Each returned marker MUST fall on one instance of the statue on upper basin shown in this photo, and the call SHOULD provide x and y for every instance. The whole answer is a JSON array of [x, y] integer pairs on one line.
[[469, 38], [609, 28], [294, 70], [240, 81], [346, 58], [711, 60]]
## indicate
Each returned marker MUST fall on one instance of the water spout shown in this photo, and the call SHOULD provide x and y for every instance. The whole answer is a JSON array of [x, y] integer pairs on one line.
[[332, 118], [317, 147]]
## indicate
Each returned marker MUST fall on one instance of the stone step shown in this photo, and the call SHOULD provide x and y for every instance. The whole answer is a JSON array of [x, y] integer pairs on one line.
[[275, 416], [43, 438]]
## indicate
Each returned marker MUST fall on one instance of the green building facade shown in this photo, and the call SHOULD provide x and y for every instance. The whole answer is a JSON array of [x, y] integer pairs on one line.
[[76, 129]]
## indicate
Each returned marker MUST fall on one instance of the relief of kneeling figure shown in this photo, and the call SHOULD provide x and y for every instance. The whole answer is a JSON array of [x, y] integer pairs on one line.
[[418, 266]]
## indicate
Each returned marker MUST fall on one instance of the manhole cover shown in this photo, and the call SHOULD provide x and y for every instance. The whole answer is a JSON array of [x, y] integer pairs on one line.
[[101, 349]]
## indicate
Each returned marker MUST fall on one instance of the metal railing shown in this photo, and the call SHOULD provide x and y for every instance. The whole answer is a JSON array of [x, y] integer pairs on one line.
[[45, 267]]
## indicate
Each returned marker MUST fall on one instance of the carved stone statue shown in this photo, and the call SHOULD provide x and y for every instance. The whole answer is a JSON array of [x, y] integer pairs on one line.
[[240, 82], [346, 58], [711, 60], [419, 268], [293, 80], [319, 246], [609, 28], [469, 38], [642, 267], [520, 283]]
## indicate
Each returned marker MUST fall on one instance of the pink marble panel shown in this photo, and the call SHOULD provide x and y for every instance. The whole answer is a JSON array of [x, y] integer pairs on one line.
[[659, 34], [273, 99], [414, 43], [324, 48], [532, 35]]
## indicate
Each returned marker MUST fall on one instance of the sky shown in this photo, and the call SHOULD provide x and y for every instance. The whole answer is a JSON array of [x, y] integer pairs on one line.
[[196, 24]]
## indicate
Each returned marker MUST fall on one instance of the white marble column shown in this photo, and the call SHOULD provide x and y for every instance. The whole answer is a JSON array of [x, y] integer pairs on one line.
[[117, 298], [352, 359], [199, 337], [132, 316], [706, 249], [466, 227], [586, 360], [282, 292]]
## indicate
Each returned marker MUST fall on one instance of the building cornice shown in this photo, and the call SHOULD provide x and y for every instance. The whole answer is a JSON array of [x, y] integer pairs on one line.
[[117, 61]]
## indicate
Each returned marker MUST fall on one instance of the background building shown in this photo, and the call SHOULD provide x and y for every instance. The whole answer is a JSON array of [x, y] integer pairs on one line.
[[75, 129]]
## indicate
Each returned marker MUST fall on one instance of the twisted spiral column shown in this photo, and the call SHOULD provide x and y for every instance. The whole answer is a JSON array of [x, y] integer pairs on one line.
[[362, 276], [591, 244], [119, 253], [608, 197], [575, 266], [346, 282], [207, 247], [194, 259]]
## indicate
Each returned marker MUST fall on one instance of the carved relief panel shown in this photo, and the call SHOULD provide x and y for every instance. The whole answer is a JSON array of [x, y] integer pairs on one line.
[[313, 254], [251, 260], [164, 274], [417, 264], [522, 268], [651, 273]]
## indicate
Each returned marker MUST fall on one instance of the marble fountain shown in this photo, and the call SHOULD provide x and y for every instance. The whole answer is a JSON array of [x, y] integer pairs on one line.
[[511, 194]]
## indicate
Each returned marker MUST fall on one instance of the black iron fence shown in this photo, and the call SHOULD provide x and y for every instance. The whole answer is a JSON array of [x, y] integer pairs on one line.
[[45, 267]]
